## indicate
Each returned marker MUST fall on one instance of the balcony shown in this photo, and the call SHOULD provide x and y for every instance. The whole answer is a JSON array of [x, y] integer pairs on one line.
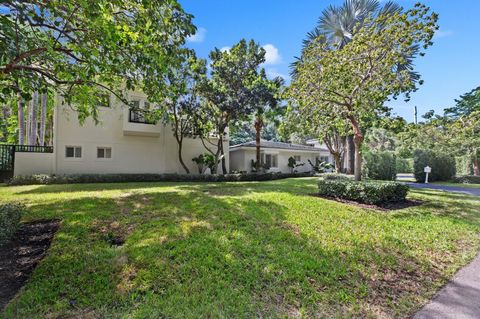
[[139, 122]]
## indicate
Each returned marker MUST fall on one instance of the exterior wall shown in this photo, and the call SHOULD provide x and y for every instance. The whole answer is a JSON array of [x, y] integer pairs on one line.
[[136, 147], [33, 163], [240, 159]]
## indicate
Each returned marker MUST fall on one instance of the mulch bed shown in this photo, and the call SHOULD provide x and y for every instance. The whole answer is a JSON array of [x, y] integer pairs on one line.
[[20, 256], [384, 207]]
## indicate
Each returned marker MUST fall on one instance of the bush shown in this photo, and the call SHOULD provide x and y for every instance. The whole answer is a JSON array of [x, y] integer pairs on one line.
[[404, 165], [123, 178], [443, 166], [368, 192], [380, 166], [336, 176], [464, 165], [467, 179], [10, 215]]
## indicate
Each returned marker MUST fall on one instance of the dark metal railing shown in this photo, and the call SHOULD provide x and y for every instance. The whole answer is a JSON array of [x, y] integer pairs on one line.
[[140, 116], [33, 149]]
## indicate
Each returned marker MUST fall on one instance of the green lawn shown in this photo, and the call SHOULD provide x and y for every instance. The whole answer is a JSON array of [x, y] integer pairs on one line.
[[458, 184], [239, 250]]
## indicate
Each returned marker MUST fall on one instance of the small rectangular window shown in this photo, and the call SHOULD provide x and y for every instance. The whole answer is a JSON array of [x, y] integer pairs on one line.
[[297, 158], [104, 152], [73, 152]]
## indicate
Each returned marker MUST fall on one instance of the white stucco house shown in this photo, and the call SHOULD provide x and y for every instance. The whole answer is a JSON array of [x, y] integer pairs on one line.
[[275, 155], [123, 142]]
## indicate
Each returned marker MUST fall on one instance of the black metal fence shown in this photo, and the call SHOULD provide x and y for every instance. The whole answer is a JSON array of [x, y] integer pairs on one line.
[[141, 116]]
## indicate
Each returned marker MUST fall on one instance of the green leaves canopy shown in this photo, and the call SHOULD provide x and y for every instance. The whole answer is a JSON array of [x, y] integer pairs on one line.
[[82, 46]]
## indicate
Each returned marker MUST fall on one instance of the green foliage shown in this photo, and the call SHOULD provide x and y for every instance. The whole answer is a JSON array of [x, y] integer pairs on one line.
[[466, 104], [464, 165], [368, 192], [380, 166], [320, 167], [204, 161], [380, 140], [404, 165], [10, 215], [353, 82], [443, 166], [85, 47], [335, 176]]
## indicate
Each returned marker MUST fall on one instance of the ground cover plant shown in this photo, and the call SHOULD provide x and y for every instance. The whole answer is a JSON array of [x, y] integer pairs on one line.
[[247, 249]]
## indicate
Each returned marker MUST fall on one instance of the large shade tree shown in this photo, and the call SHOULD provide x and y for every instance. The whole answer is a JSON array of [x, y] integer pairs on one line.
[[83, 47], [231, 92], [354, 81]]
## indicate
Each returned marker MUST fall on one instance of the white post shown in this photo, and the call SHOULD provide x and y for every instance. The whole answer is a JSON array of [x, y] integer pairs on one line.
[[427, 171]]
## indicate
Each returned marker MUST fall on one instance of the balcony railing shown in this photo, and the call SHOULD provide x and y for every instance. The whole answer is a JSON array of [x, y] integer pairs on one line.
[[140, 116], [33, 149]]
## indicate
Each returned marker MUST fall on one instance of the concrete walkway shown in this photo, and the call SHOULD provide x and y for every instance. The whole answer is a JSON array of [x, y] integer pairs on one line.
[[455, 189], [459, 299]]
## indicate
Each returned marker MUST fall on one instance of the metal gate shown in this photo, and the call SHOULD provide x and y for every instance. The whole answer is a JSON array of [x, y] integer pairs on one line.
[[7, 161]]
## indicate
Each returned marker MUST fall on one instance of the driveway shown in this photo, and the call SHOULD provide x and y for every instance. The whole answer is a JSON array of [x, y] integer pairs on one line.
[[453, 189]]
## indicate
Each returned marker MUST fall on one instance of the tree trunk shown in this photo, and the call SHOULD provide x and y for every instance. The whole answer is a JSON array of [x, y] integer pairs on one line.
[[224, 163], [476, 170], [180, 157], [350, 155], [43, 118], [337, 157], [258, 128], [21, 121], [32, 136]]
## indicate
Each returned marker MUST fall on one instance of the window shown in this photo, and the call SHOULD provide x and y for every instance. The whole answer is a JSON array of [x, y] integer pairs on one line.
[[73, 152], [297, 158], [325, 159], [271, 160], [104, 152]]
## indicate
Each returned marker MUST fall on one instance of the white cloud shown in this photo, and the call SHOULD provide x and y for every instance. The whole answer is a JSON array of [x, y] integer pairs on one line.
[[224, 49], [199, 36], [273, 73], [272, 56], [443, 34]]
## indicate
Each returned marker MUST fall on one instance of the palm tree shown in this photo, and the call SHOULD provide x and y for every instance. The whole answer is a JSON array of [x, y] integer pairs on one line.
[[337, 26]]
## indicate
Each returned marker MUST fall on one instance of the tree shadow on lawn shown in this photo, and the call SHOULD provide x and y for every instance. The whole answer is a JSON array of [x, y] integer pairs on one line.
[[459, 207], [190, 254], [291, 184]]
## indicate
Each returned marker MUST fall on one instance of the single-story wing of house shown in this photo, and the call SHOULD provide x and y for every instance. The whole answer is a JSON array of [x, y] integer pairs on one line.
[[275, 155]]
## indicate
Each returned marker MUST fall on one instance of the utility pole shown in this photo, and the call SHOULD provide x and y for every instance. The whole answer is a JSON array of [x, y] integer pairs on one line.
[[415, 116]]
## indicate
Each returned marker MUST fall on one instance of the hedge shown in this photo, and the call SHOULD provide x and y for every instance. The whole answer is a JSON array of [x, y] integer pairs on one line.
[[443, 166], [467, 179], [122, 178], [336, 176], [404, 165], [10, 215], [380, 166], [368, 192]]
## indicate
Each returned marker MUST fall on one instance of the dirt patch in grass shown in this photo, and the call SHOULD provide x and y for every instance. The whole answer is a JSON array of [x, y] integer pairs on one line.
[[20, 256], [383, 207]]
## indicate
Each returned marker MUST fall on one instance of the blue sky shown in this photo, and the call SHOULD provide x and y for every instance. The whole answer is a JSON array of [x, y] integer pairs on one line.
[[450, 68]]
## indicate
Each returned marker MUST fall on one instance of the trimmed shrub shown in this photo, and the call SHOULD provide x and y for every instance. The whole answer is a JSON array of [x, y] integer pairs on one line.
[[467, 179], [443, 166], [336, 176], [368, 192], [404, 165], [10, 215], [124, 178], [380, 166]]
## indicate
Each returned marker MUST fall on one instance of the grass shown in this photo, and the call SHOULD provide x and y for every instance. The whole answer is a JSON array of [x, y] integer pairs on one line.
[[264, 249], [457, 184]]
